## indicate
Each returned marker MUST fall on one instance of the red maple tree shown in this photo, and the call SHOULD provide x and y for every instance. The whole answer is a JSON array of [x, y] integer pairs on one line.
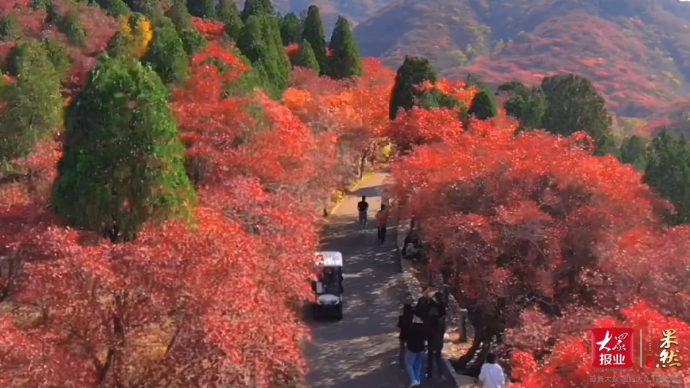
[[214, 302], [535, 221]]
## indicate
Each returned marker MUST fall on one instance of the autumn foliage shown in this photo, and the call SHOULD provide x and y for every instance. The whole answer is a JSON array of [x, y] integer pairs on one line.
[[209, 28], [541, 241], [351, 111], [191, 305], [538, 238]]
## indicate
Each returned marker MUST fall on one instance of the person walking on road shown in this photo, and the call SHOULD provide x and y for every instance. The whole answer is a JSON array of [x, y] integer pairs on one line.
[[382, 222], [415, 341], [491, 374], [404, 321], [363, 208], [436, 329]]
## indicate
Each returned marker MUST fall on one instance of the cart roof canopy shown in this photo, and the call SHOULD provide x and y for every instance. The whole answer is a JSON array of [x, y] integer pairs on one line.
[[329, 258]]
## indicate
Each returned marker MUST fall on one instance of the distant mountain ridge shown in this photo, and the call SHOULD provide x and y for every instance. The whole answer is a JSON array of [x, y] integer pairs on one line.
[[354, 10], [636, 51]]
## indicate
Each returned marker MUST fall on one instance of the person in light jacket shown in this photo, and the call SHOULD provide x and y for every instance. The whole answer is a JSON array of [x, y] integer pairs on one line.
[[492, 375]]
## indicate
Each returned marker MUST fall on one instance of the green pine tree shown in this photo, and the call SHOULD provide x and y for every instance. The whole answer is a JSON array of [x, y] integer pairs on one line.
[[528, 105], [10, 29], [202, 8], [436, 99], [634, 150], [313, 32], [413, 72], [291, 29], [119, 46], [123, 162], [150, 8], [257, 8], [573, 104], [192, 41], [227, 12], [260, 42], [304, 57], [58, 55], [114, 8], [180, 16], [52, 15], [344, 61], [32, 103], [166, 53], [40, 4], [668, 172], [483, 106], [512, 86], [72, 27]]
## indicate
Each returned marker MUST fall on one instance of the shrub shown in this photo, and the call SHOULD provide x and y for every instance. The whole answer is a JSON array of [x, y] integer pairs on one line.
[[33, 105]]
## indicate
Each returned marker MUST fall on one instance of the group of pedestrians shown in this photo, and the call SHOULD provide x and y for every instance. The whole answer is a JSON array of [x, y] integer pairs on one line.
[[422, 329], [381, 217]]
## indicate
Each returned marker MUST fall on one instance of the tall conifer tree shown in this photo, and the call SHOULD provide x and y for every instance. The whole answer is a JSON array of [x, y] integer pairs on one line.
[[305, 57], [313, 32], [261, 43], [345, 61], [257, 8], [123, 161], [413, 72], [202, 8], [291, 29], [227, 12]]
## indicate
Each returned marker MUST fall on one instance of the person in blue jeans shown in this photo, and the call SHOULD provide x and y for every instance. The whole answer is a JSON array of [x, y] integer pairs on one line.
[[415, 341]]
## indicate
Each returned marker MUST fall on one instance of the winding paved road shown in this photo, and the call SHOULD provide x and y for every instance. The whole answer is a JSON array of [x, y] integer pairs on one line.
[[361, 350]]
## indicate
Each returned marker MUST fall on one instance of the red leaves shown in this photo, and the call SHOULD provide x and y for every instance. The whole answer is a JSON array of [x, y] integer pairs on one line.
[[292, 50], [569, 363], [216, 65], [215, 302], [201, 274], [420, 126], [533, 223], [210, 28], [354, 112]]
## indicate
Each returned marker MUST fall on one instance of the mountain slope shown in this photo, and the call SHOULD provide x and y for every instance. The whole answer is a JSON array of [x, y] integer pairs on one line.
[[636, 51], [354, 10]]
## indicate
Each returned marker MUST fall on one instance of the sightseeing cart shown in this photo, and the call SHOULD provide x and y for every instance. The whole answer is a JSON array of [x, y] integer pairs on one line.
[[328, 287]]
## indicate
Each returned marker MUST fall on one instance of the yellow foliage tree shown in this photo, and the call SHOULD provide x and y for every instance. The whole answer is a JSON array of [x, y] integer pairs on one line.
[[138, 32]]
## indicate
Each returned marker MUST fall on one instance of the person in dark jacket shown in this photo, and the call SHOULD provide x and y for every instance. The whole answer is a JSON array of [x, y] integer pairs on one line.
[[403, 322], [424, 303], [436, 329], [415, 341]]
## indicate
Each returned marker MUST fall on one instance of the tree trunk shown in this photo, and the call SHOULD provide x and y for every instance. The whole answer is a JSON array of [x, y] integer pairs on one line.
[[108, 376], [362, 163], [463, 362]]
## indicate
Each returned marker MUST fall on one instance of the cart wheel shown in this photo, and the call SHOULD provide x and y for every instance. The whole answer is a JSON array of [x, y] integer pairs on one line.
[[317, 314], [339, 313]]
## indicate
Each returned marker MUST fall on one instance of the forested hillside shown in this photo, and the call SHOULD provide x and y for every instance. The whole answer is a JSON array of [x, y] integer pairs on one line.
[[164, 166], [354, 10], [635, 51]]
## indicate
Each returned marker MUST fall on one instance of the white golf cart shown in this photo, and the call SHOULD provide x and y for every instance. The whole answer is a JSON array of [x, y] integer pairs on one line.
[[329, 285]]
